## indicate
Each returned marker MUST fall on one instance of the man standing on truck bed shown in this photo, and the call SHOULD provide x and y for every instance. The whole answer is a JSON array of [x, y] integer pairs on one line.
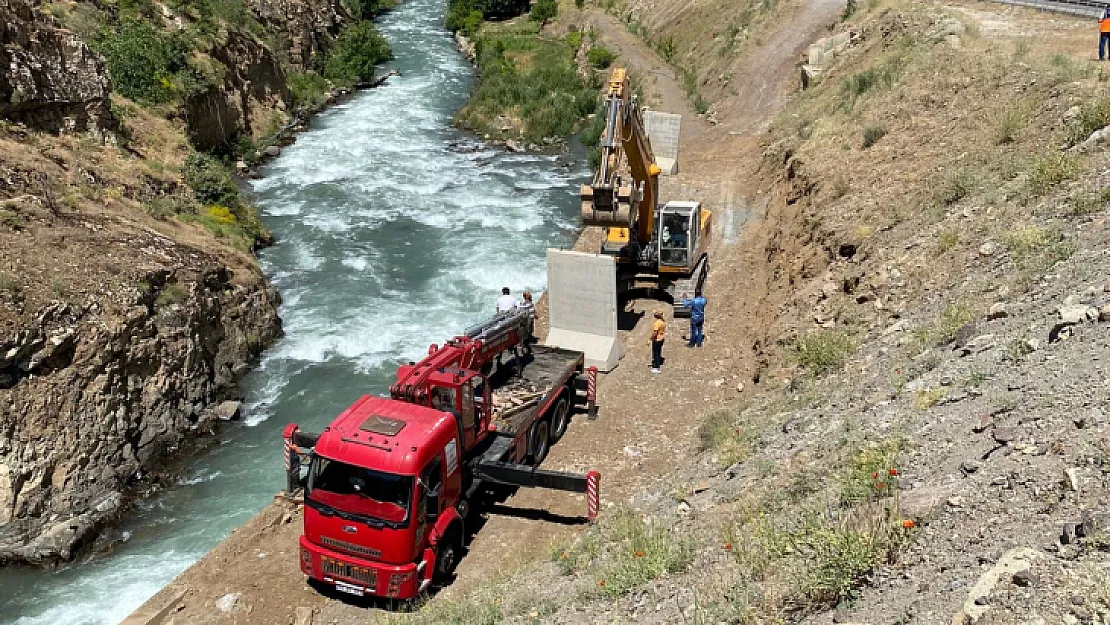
[[658, 333], [506, 302]]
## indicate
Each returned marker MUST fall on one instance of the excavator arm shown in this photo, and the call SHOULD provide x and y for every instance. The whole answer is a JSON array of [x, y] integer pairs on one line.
[[610, 202]]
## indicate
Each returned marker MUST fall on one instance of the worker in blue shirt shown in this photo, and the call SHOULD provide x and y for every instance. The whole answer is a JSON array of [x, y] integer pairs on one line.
[[697, 317]]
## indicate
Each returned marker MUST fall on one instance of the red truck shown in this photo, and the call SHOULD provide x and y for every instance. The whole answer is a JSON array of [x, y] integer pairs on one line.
[[390, 482]]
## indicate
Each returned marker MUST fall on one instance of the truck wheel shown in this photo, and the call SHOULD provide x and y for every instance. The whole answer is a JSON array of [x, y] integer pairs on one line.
[[560, 418], [541, 441], [447, 557]]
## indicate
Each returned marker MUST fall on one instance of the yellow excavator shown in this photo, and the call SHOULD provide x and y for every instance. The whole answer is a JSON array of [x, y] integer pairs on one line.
[[663, 248]]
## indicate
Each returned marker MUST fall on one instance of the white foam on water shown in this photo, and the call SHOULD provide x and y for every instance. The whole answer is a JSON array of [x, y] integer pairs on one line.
[[113, 593], [200, 477]]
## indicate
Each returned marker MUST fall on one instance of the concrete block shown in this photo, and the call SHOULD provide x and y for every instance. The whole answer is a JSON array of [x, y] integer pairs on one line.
[[663, 129], [582, 301], [811, 75]]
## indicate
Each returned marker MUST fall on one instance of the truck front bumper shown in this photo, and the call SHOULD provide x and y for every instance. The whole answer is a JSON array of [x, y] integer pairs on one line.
[[360, 577]]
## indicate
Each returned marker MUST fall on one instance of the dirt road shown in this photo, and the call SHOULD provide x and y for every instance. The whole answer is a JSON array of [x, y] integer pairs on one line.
[[647, 423]]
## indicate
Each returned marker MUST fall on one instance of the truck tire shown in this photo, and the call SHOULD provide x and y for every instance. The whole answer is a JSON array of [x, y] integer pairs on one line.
[[447, 556], [540, 441], [560, 418]]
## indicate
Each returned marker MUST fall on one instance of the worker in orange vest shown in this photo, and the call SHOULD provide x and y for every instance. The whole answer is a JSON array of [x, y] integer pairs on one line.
[[1104, 34]]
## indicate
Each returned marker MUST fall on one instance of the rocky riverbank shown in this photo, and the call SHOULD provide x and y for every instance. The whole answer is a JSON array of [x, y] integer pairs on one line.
[[130, 304]]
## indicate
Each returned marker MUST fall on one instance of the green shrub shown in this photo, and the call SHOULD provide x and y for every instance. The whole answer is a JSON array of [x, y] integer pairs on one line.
[[860, 478], [872, 134], [824, 352], [600, 57], [210, 181], [467, 15], [591, 137], [357, 50], [955, 186], [723, 433], [1010, 123], [954, 317], [309, 89], [1027, 242], [574, 38], [641, 551], [579, 3], [544, 10], [875, 78], [10, 219], [166, 207], [9, 285], [143, 61], [667, 48], [1050, 170], [1092, 116], [171, 295]]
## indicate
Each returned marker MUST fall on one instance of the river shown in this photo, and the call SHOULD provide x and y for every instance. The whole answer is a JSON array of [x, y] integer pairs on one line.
[[394, 231]]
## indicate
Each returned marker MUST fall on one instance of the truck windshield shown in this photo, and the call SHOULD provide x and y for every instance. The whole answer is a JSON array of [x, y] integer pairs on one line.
[[363, 492]]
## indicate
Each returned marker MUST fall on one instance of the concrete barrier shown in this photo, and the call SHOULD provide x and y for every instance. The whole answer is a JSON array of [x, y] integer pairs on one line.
[[663, 130], [582, 306], [821, 54]]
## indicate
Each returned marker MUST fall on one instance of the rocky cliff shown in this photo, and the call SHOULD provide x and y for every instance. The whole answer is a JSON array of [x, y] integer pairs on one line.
[[251, 99], [92, 400], [305, 29], [49, 79], [121, 326]]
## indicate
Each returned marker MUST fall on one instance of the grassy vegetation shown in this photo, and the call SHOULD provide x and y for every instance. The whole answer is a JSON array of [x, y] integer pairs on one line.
[[1037, 245], [624, 552], [723, 433], [221, 210], [954, 186], [10, 219], [1050, 170], [796, 551], [872, 134], [824, 352], [172, 295], [530, 80]]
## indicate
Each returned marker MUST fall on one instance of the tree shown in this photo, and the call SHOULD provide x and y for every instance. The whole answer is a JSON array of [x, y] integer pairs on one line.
[[544, 10], [359, 48]]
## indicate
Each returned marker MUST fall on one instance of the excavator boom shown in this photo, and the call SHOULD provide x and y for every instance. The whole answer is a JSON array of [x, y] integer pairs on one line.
[[611, 201]]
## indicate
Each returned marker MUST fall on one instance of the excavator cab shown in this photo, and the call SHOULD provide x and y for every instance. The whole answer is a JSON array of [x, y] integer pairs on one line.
[[679, 236]]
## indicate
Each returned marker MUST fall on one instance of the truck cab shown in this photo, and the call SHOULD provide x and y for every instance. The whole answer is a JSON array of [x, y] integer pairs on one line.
[[380, 495]]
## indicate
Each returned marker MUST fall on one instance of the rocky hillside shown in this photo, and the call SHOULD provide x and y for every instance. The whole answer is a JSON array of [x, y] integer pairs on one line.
[[130, 303]]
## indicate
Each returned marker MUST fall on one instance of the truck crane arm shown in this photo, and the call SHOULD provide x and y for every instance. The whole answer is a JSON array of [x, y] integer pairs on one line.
[[606, 202]]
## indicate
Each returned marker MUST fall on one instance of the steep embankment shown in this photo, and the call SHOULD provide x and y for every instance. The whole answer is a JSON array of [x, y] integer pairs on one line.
[[130, 304]]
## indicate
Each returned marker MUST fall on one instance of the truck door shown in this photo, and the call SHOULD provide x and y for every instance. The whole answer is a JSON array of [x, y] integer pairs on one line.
[[432, 478], [473, 409]]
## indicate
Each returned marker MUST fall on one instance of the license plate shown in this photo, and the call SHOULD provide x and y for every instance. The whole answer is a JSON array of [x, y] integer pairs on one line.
[[350, 589]]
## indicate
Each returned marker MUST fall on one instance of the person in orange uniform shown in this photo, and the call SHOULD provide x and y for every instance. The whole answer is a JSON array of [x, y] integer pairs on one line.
[[1103, 34], [658, 333]]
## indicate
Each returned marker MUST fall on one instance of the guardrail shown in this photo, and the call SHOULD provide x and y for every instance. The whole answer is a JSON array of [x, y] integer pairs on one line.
[[1086, 8]]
